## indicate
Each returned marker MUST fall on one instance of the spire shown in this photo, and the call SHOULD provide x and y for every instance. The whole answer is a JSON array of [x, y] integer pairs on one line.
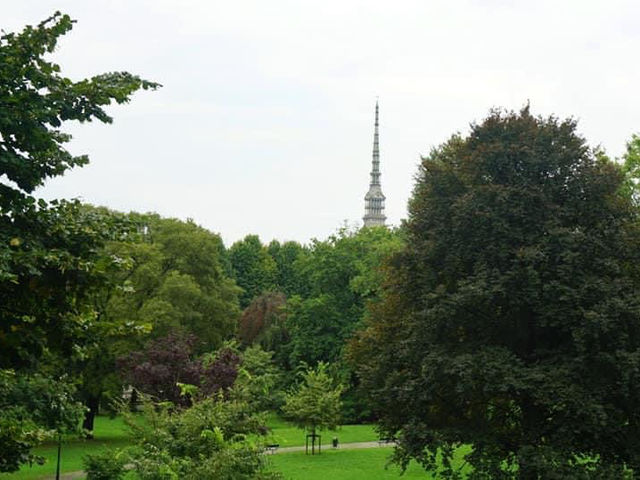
[[374, 199], [375, 170]]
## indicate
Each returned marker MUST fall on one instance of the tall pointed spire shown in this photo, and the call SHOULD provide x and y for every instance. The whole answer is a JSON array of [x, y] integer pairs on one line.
[[374, 199]]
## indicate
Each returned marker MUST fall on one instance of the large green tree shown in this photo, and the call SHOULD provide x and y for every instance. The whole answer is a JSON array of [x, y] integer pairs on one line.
[[175, 281], [170, 279], [342, 274], [511, 320], [254, 270], [50, 253]]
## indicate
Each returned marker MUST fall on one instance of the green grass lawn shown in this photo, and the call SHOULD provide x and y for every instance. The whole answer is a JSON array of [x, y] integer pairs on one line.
[[113, 433], [109, 433], [287, 435], [343, 464]]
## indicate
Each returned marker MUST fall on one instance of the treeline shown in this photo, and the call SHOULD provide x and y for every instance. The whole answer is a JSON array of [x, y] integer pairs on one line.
[[300, 304]]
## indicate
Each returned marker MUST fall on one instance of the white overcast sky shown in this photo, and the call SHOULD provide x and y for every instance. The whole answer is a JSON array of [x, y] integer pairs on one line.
[[265, 120]]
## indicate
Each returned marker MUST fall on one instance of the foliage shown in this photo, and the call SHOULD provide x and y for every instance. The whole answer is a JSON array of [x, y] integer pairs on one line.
[[161, 366], [510, 321], [220, 371], [631, 168], [287, 256], [263, 319], [315, 403], [175, 281], [36, 100], [105, 465], [260, 381], [171, 280], [51, 267], [50, 259], [342, 274], [207, 440], [254, 270], [167, 362], [32, 409]]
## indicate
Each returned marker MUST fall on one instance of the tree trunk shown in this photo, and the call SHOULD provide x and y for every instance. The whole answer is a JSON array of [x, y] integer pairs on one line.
[[93, 404], [133, 401], [527, 472]]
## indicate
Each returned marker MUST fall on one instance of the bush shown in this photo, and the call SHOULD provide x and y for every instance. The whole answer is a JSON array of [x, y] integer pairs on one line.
[[106, 465], [209, 440]]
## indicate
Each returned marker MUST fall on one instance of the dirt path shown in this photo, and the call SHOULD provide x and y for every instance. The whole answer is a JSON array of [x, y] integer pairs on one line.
[[342, 446]]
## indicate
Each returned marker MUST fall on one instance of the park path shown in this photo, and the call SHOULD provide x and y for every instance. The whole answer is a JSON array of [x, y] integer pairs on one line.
[[343, 446]]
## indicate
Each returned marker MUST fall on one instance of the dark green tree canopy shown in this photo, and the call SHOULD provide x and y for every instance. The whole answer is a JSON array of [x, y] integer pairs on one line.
[[51, 254], [254, 270], [511, 320]]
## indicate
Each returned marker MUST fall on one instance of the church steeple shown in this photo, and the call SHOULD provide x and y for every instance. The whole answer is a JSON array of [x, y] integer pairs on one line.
[[374, 199]]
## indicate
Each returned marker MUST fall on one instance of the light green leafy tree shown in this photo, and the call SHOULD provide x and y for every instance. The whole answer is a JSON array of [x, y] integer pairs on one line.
[[314, 405], [211, 439]]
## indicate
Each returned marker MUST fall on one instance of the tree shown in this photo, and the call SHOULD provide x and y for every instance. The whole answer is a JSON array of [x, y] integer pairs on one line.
[[174, 280], [315, 403], [168, 362], [510, 322], [50, 253], [211, 439], [287, 256], [264, 313], [259, 380], [32, 409], [342, 276], [48, 257], [254, 270], [169, 279], [631, 167]]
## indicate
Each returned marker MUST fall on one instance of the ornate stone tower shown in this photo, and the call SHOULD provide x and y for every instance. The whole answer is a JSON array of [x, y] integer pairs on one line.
[[374, 199]]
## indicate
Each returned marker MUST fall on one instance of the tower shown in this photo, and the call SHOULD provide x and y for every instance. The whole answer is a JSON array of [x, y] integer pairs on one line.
[[374, 199]]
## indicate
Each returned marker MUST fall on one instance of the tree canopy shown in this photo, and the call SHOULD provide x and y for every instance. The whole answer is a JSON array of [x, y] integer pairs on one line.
[[48, 258], [511, 319], [51, 254]]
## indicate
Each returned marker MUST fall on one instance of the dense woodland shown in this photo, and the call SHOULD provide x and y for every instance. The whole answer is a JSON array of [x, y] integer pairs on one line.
[[502, 314]]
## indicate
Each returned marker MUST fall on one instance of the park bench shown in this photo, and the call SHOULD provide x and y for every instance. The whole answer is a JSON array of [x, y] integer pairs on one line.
[[271, 448], [386, 441]]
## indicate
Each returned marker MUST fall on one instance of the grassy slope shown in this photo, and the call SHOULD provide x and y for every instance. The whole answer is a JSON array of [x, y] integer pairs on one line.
[[108, 433]]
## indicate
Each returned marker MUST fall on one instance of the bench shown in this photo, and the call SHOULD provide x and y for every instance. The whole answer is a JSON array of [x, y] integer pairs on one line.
[[271, 448], [386, 441]]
